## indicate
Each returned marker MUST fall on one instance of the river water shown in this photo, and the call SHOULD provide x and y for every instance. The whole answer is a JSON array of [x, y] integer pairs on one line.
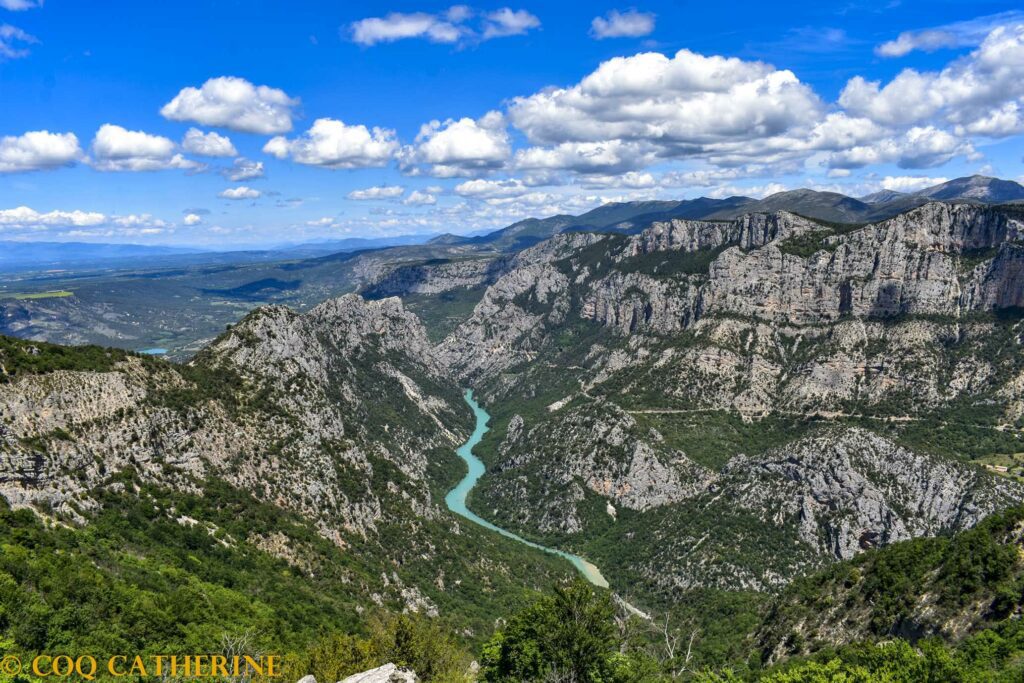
[[456, 498]]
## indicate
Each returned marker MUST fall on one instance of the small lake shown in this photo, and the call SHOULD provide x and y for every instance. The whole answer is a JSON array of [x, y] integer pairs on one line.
[[156, 351], [456, 498]]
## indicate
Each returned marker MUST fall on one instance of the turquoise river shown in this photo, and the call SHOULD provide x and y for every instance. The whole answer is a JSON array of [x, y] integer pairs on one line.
[[456, 498]]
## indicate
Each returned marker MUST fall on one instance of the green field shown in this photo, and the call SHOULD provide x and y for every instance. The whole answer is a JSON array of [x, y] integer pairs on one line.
[[57, 294]]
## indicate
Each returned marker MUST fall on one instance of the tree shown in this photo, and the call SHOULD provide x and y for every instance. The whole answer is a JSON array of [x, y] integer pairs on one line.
[[568, 636]]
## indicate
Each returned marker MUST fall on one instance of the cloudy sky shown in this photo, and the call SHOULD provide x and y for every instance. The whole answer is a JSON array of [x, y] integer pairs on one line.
[[240, 123]]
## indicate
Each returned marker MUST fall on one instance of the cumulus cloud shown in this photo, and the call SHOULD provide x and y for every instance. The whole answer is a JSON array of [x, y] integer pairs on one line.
[[244, 169], [650, 105], [36, 150], [208, 144], [24, 217], [919, 147], [193, 219], [615, 24], [958, 34], [418, 198], [755, 191], [910, 183], [633, 180], [398, 26], [377, 192], [146, 222], [13, 42], [965, 93], [506, 22], [451, 26], [462, 147], [234, 103], [610, 156], [486, 189], [77, 223], [334, 144], [240, 192], [117, 149]]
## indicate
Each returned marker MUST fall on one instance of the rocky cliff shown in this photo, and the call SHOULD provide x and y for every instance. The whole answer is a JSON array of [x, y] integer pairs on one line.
[[627, 351], [340, 416]]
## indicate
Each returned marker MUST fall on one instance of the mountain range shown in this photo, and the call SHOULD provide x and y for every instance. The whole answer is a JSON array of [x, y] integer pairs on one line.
[[763, 416]]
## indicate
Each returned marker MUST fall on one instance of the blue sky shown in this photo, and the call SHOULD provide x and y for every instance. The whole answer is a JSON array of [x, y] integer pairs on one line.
[[240, 123]]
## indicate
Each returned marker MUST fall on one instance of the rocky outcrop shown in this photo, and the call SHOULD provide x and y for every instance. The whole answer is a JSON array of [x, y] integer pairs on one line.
[[750, 231], [283, 405], [908, 265], [435, 278], [389, 673], [849, 490], [770, 317]]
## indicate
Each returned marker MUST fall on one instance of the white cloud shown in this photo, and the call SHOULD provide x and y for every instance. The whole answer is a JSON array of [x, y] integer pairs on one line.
[[417, 198], [144, 221], [506, 22], [910, 183], [919, 147], [117, 149], [998, 122], [965, 93], [377, 192], [959, 34], [334, 144], [39, 149], [321, 222], [208, 144], [485, 189], [19, 5], [462, 147], [78, 223], [240, 192], [24, 217], [633, 109], [449, 27], [607, 157], [244, 169], [615, 24], [755, 191], [193, 219], [234, 103], [398, 26], [632, 180], [13, 41]]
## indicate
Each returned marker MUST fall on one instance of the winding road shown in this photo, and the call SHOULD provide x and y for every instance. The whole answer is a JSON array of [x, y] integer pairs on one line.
[[456, 498]]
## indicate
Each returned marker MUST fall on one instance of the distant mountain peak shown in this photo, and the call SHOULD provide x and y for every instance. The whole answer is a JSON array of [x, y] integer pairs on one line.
[[882, 196], [977, 187]]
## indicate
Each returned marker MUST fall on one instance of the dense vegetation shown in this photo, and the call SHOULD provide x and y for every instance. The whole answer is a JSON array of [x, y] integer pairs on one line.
[[19, 357], [147, 576]]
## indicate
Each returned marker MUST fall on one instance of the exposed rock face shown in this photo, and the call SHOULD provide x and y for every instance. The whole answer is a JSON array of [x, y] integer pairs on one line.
[[841, 491], [909, 264], [763, 316], [747, 232], [605, 450], [294, 424], [912, 264], [389, 673], [434, 278], [851, 490], [506, 325]]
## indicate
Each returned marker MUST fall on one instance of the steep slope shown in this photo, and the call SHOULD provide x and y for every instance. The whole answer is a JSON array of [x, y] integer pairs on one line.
[[725, 404], [339, 418], [948, 587]]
